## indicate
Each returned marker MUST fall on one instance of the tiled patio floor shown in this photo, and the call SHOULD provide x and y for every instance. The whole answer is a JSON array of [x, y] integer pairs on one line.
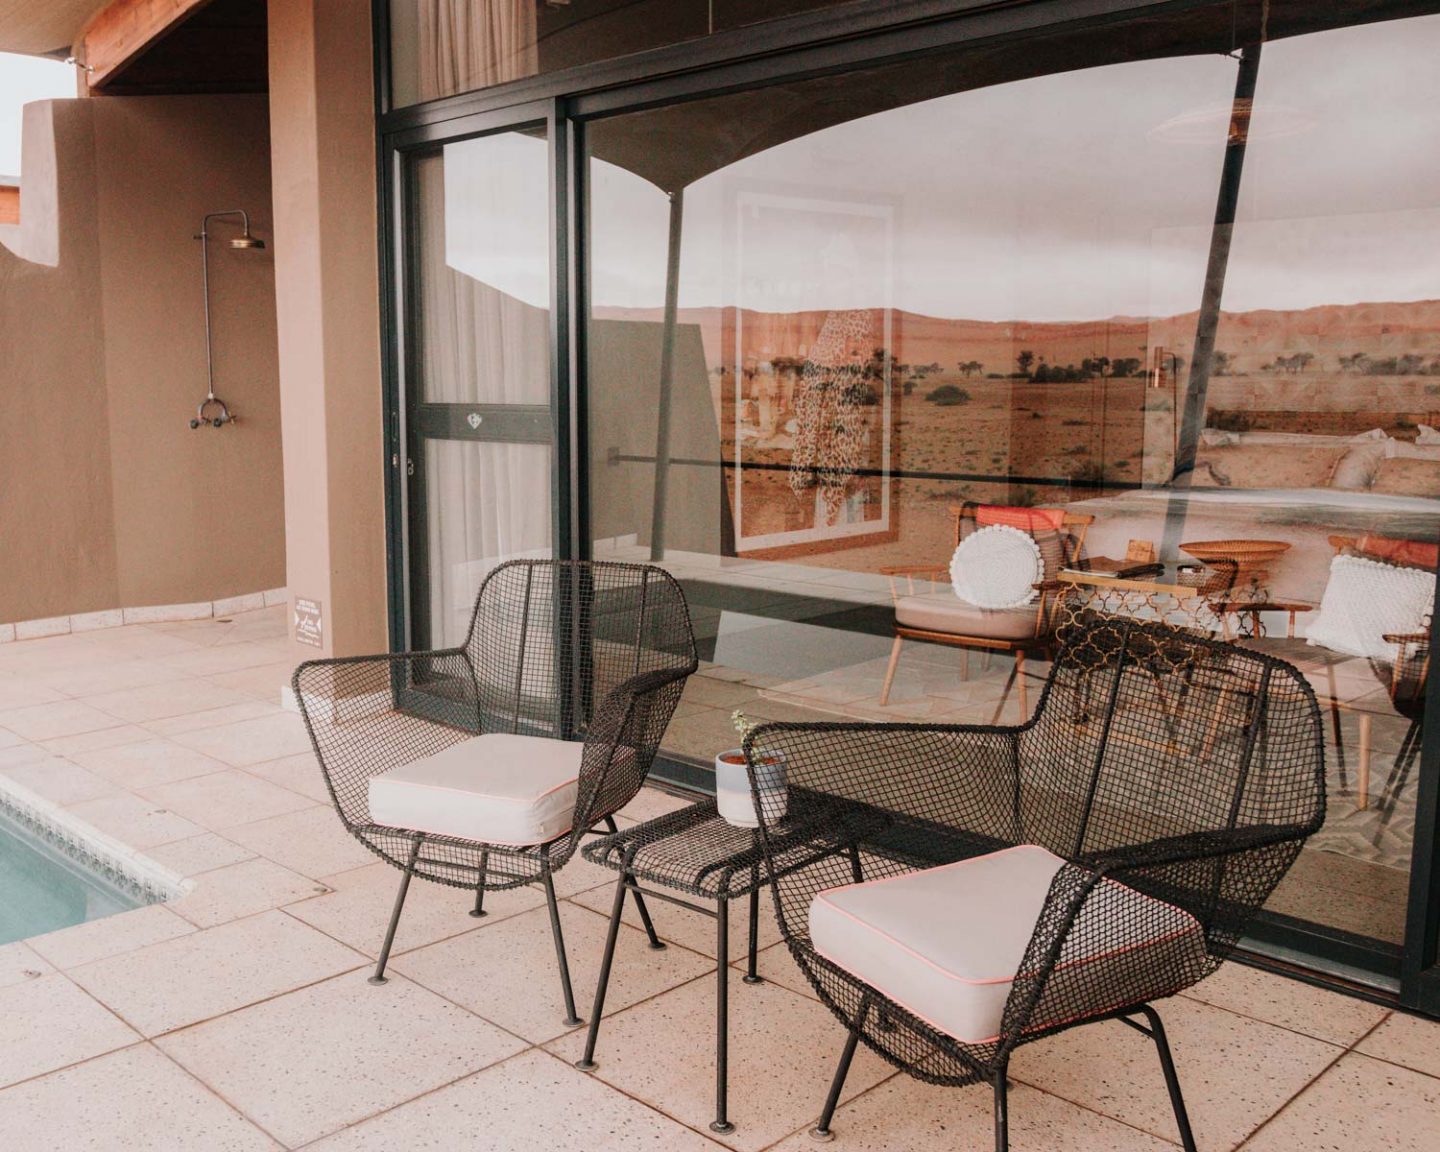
[[238, 1017]]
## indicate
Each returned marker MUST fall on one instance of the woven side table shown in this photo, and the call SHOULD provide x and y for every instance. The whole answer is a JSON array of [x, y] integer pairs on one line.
[[694, 853]]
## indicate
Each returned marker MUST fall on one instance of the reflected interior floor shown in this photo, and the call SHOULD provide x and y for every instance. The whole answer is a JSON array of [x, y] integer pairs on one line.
[[1353, 875]]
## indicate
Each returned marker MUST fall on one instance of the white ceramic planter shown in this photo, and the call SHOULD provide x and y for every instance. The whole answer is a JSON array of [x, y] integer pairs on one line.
[[732, 788]]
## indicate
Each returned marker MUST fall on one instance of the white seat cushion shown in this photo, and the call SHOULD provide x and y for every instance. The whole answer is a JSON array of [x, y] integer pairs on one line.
[[946, 943], [496, 788], [945, 612]]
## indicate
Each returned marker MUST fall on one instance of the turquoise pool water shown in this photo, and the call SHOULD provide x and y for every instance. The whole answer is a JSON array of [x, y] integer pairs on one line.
[[41, 889]]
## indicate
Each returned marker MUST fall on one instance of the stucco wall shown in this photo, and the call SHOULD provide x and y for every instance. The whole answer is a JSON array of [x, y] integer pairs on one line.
[[110, 499]]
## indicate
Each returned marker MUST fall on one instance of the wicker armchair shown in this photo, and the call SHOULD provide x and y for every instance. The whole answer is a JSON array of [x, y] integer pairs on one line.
[[989, 886], [482, 766]]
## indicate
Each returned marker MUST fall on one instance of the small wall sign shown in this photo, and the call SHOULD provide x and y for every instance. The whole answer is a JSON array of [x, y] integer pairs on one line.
[[309, 623]]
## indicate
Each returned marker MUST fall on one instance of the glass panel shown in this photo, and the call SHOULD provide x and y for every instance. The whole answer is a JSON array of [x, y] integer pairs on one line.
[[441, 47], [898, 294], [482, 233], [479, 390], [488, 503]]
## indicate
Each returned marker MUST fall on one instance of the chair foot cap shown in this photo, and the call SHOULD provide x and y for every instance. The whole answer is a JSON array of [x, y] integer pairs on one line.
[[476, 914], [586, 1065], [573, 1022], [822, 1135], [378, 980], [753, 979], [657, 946], [721, 1126]]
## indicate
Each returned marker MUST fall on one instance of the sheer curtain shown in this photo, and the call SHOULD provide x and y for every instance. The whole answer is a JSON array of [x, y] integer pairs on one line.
[[486, 501], [469, 44]]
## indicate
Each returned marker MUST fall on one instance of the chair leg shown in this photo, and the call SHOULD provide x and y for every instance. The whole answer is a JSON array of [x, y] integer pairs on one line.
[[721, 1123], [751, 975], [822, 1131], [655, 942], [1002, 1112], [890, 671], [1172, 1081], [586, 1063], [1020, 678], [1005, 694], [479, 909], [571, 1020], [379, 975], [1362, 771]]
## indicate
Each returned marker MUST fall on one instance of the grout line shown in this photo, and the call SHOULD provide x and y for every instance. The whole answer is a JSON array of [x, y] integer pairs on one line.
[[206, 1086]]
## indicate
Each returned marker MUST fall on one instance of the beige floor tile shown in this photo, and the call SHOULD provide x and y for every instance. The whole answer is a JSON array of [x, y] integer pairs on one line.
[[521, 985], [243, 889], [135, 821], [653, 802], [1358, 1104], [1235, 1071], [263, 682], [690, 929], [219, 659], [60, 780], [904, 1115], [136, 1100], [110, 677], [213, 718], [19, 963], [21, 752], [49, 1023], [148, 763], [251, 741], [579, 875], [717, 693], [492, 1110], [159, 701], [46, 721], [358, 909], [300, 773], [103, 738], [197, 854], [192, 978], [778, 966], [1407, 1040], [311, 1062], [222, 800], [783, 1049], [24, 691], [110, 936], [9, 739], [311, 841], [1289, 1003]]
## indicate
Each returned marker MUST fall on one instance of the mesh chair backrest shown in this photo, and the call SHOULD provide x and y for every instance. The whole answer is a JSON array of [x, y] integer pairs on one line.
[[552, 640], [1146, 732]]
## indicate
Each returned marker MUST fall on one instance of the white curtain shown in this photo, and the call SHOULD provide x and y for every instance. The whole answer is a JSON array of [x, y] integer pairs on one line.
[[469, 44], [486, 501]]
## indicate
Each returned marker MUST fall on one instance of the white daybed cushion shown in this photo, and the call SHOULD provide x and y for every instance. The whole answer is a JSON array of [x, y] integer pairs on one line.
[[946, 943], [496, 788], [1365, 599]]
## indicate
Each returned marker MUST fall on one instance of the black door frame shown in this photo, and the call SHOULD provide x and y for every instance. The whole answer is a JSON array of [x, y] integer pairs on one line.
[[827, 41]]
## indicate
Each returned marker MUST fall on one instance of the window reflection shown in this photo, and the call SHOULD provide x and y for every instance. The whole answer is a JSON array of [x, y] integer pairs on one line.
[[829, 320]]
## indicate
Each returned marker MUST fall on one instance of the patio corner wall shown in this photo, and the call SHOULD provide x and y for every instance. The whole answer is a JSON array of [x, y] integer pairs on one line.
[[110, 499]]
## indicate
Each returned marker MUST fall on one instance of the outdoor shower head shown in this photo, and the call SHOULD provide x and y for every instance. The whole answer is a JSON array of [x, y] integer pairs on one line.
[[247, 241]]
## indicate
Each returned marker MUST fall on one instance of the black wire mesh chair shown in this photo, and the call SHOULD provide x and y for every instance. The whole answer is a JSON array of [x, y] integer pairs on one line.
[[1173, 778], [482, 766]]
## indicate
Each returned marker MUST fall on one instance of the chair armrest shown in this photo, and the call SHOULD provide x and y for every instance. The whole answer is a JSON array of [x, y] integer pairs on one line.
[[910, 573], [368, 714], [1183, 871], [964, 777]]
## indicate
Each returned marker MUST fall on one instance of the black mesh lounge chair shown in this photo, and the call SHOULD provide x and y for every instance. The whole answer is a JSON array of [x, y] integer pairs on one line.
[[482, 766], [989, 886]]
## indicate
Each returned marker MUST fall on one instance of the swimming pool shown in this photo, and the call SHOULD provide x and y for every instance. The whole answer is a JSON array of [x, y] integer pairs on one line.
[[50, 877]]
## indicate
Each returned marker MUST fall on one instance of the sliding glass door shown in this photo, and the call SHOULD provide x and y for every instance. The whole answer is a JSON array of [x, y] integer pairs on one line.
[[479, 435]]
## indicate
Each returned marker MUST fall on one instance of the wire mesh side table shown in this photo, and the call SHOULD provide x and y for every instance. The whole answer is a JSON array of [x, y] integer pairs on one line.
[[690, 852]]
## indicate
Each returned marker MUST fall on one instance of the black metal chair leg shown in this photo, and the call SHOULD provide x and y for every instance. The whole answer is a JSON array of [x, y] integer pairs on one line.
[[655, 941], [751, 975], [721, 1123], [587, 1062], [1002, 1113], [479, 909], [1172, 1081], [379, 975], [822, 1131], [571, 1020]]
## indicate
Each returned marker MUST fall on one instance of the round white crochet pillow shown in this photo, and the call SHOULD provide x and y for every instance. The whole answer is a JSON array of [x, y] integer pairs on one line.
[[997, 567]]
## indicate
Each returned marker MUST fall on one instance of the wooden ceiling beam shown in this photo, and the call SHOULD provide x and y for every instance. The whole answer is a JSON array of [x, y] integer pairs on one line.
[[122, 30]]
